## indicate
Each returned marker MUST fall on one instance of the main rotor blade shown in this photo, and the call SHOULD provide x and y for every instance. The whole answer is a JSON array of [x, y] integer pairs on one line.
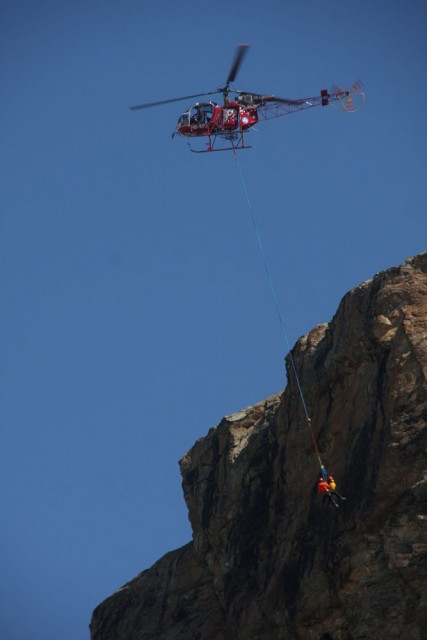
[[159, 102], [242, 50]]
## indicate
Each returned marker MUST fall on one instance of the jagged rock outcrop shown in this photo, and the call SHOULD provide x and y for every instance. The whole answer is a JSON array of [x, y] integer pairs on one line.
[[268, 560]]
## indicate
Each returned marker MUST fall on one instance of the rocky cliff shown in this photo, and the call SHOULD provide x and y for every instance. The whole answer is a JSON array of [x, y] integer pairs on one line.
[[268, 560]]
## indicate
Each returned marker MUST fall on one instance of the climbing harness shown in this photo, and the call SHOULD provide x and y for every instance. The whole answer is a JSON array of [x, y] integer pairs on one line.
[[282, 324]]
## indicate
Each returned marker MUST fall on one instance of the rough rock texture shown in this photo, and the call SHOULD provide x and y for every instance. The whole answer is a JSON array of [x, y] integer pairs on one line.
[[268, 560]]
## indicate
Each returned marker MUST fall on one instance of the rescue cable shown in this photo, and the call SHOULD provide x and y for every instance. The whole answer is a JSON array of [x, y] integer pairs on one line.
[[282, 324]]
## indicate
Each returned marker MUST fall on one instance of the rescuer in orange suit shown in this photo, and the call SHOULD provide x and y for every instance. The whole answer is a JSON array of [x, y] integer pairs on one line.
[[327, 489]]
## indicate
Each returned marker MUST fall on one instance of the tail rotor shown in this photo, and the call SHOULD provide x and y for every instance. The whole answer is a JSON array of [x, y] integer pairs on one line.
[[350, 100]]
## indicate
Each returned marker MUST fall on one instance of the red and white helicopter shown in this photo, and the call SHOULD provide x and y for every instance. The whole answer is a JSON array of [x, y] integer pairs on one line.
[[224, 125]]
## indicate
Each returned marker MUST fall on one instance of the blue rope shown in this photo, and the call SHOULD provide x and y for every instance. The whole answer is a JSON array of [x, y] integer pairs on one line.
[[273, 291], [282, 324]]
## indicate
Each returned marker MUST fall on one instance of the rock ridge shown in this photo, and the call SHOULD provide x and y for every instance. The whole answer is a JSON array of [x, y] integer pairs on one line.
[[268, 560]]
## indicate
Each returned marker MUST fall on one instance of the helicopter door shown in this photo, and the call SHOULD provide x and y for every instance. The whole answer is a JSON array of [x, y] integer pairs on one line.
[[201, 113], [197, 121]]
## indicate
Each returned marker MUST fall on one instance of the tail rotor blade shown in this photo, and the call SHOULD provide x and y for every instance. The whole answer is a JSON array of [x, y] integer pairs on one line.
[[356, 86], [337, 90], [345, 98], [350, 104]]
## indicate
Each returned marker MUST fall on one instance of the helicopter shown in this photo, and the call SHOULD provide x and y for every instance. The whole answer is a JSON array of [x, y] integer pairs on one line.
[[225, 125]]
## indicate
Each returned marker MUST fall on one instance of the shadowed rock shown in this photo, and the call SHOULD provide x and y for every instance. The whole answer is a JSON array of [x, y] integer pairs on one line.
[[268, 560]]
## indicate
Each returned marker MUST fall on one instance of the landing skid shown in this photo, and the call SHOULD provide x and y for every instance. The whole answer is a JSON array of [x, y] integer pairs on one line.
[[235, 140], [223, 149]]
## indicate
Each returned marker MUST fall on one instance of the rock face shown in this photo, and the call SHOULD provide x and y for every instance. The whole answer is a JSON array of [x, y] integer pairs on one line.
[[268, 559]]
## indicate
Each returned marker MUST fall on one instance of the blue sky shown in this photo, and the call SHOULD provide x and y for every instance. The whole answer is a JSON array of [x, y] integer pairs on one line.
[[135, 309]]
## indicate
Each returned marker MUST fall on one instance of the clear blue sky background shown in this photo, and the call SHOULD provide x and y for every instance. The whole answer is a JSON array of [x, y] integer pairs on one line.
[[135, 310]]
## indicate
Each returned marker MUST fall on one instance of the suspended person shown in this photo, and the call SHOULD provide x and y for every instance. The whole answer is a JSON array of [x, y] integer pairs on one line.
[[327, 489], [331, 483]]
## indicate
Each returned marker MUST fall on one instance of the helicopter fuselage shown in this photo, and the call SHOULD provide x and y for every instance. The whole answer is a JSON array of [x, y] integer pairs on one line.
[[211, 119], [230, 121]]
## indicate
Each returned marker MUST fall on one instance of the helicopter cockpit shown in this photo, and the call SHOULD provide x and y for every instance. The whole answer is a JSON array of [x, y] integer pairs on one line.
[[200, 113]]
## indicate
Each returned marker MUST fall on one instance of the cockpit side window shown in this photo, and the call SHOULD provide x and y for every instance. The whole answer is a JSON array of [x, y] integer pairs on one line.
[[202, 113]]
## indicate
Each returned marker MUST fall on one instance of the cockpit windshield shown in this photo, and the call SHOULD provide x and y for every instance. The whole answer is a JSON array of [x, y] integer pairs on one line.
[[184, 119]]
